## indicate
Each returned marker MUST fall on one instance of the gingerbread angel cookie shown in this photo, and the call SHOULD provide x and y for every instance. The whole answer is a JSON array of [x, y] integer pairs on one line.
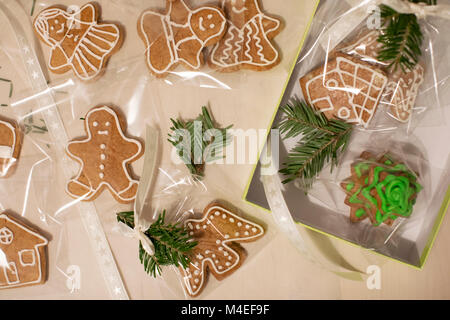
[[77, 40], [23, 254], [10, 146], [345, 88], [104, 156], [247, 43], [179, 35], [218, 235]]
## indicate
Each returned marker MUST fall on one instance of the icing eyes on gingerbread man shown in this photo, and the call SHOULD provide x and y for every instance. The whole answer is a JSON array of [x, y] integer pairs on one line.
[[104, 156]]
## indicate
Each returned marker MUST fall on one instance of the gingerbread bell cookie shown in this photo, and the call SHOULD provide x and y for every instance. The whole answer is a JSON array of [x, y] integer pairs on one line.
[[247, 42], [345, 88], [10, 146], [381, 189], [105, 156], [23, 254], [218, 235], [179, 35], [78, 41]]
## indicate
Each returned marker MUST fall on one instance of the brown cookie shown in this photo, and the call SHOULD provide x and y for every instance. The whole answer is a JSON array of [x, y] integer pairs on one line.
[[77, 40], [247, 43], [345, 88], [104, 156], [218, 234], [10, 146], [179, 35], [401, 92], [23, 254]]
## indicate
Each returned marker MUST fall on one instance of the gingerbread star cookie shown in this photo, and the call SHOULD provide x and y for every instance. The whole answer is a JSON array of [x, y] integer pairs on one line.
[[218, 235], [77, 40], [345, 88], [179, 35], [23, 254], [104, 156], [10, 146], [380, 189], [247, 43]]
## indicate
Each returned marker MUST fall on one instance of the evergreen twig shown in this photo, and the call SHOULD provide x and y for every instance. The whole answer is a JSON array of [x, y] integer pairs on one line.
[[171, 241], [401, 38], [197, 138], [321, 141]]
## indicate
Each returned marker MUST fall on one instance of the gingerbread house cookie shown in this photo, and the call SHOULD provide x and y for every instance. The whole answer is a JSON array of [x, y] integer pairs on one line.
[[345, 88], [218, 234], [23, 254]]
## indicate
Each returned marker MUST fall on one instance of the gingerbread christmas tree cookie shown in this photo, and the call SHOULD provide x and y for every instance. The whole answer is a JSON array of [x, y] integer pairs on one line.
[[248, 41], [345, 88], [179, 35], [218, 235], [380, 189], [77, 40], [10, 146], [23, 254], [104, 156]]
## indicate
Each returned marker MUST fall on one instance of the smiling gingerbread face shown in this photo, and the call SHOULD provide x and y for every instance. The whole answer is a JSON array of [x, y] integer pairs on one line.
[[52, 24], [208, 24]]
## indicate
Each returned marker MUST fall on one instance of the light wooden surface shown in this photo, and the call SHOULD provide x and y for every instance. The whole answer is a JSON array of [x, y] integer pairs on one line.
[[274, 270]]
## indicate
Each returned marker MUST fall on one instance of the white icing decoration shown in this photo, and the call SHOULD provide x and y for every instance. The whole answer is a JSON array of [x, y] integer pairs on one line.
[[92, 192], [7, 152], [257, 23], [12, 266], [358, 110], [21, 257], [83, 46], [6, 236], [170, 42], [231, 254]]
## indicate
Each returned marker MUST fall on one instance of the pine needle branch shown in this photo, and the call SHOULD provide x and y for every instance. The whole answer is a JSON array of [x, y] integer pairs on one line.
[[322, 141], [401, 38], [199, 142], [171, 241]]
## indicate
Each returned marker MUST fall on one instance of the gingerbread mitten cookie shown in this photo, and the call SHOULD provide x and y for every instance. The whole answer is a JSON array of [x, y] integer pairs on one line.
[[217, 234], [179, 35], [23, 254], [77, 40], [105, 156], [247, 43], [10, 146]]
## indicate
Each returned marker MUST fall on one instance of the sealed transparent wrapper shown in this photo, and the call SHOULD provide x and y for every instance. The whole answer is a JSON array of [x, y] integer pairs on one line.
[[358, 129]]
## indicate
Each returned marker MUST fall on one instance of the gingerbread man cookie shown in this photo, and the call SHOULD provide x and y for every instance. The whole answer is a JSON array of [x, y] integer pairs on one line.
[[23, 254], [105, 156], [247, 43], [10, 146], [217, 234], [179, 35], [77, 40]]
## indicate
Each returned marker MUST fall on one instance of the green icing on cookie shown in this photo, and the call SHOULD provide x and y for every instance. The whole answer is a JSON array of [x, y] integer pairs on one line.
[[350, 186], [360, 213]]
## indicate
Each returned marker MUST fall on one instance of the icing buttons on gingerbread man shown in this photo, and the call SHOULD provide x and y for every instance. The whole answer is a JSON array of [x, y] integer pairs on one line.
[[104, 157]]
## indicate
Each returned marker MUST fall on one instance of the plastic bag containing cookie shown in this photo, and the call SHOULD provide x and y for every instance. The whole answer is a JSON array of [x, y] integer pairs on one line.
[[377, 65], [385, 195]]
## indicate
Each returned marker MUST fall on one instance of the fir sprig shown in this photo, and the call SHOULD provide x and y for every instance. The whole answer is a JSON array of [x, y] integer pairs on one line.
[[401, 38], [321, 141], [196, 142], [171, 241]]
